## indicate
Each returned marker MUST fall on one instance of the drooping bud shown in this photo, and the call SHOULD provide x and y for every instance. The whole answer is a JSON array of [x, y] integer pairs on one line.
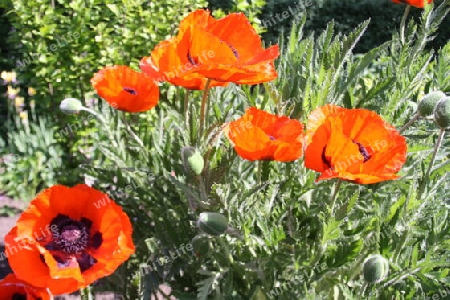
[[376, 268], [428, 103], [192, 160], [442, 113], [212, 223], [200, 245], [71, 106]]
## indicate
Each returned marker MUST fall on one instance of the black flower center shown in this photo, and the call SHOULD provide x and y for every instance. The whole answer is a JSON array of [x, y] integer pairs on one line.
[[363, 151], [71, 239], [70, 236], [17, 296], [131, 91], [193, 61]]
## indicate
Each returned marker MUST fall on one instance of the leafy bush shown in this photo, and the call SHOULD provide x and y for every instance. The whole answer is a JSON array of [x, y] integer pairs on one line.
[[282, 240], [31, 161]]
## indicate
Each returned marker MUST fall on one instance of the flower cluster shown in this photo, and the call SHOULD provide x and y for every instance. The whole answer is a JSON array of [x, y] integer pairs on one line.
[[206, 52], [352, 144], [89, 241]]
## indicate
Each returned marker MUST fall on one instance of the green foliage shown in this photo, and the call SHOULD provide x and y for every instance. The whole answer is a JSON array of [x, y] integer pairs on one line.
[[384, 14], [287, 236], [31, 161]]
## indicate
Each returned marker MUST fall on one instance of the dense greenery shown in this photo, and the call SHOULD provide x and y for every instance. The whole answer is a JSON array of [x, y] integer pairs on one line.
[[284, 240]]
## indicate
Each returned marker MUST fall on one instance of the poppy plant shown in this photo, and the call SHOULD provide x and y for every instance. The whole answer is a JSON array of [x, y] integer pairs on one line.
[[353, 144], [259, 135], [415, 3], [126, 89], [69, 237], [12, 288], [224, 50]]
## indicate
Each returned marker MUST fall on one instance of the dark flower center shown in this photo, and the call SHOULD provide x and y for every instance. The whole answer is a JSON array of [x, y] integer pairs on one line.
[[71, 239], [272, 138], [17, 296], [131, 91], [363, 151]]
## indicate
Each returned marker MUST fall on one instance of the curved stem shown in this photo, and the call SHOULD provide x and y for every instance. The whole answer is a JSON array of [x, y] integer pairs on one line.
[[204, 105], [413, 119], [403, 23], [131, 132], [337, 185], [186, 107], [427, 174]]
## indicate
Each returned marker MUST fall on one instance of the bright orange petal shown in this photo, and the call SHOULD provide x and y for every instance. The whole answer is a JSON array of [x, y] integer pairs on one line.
[[125, 89]]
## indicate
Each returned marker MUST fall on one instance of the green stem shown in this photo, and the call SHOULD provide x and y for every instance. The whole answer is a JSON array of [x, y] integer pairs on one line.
[[413, 119], [204, 105], [86, 293], [186, 107], [131, 132], [427, 174], [337, 185], [403, 23]]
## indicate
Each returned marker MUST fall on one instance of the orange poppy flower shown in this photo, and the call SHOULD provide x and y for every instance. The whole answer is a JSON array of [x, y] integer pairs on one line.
[[259, 135], [353, 144], [125, 89], [225, 50], [12, 288], [415, 3], [68, 238]]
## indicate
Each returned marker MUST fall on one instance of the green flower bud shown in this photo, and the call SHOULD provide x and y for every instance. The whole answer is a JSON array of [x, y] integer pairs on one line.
[[442, 113], [212, 223], [192, 160], [375, 269], [71, 106], [428, 103], [200, 245]]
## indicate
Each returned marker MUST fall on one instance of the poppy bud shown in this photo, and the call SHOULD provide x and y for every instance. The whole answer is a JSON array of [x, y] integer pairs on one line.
[[212, 223], [375, 269], [70, 106], [192, 160], [442, 113], [200, 245], [428, 103]]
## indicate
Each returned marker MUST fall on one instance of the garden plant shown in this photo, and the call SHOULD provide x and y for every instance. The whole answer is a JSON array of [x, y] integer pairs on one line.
[[214, 166]]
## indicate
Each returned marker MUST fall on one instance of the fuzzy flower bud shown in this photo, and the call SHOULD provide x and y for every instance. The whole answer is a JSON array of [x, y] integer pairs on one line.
[[212, 223]]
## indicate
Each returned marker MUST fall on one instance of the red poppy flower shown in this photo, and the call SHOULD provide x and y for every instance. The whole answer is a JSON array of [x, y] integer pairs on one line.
[[12, 288], [353, 144], [259, 135], [125, 89], [225, 50], [68, 238], [415, 3]]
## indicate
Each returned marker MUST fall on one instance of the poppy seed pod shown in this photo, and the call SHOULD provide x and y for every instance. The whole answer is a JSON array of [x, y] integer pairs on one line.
[[212, 223], [428, 103], [192, 160], [71, 106], [375, 269], [442, 113], [200, 245]]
